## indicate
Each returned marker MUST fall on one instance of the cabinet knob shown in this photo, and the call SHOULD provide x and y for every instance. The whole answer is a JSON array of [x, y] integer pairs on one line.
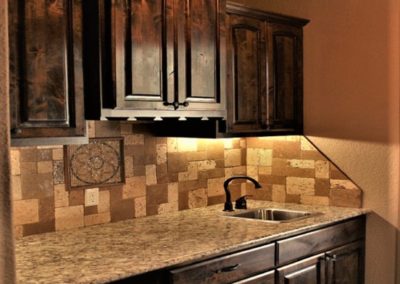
[[176, 104]]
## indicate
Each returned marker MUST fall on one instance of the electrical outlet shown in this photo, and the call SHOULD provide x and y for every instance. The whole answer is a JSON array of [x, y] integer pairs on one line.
[[91, 196]]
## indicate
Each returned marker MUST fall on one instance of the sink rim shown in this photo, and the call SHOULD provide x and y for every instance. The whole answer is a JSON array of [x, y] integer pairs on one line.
[[307, 214]]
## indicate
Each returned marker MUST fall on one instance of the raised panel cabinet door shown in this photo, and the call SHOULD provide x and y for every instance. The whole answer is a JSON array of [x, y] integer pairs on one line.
[[262, 278], [285, 79], [310, 270], [246, 89], [200, 56], [135, 50], [345, 265], [46, 81]]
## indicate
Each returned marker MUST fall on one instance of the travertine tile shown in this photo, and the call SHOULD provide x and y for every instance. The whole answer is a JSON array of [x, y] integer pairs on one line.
[[126, 128], [278, 193], [140, 207], [252, 171], [91, 196], [303, 164], [61, 196], [173, 192], [241, 170], [196, 156], [95, 219], [69, 217], [215, 186], [45, 167], [172, 145], [321, 169], [151, 174], [18, 231], [36, 185], [228, 143], [252, 157], [15, 162], [128, 166], [264, 170], [26, 211], [304, 186], [168, 207], [134, 139], [58, 172], [233, 158], [206, 165], [345, 197], [314, 200], [187, 144], [306, 145], [265, 157], [134, 187], [342, 184], [28, 168], [198, 198], [190, 174], [161, 153], [16, 187], [104, 201], [57, 154]]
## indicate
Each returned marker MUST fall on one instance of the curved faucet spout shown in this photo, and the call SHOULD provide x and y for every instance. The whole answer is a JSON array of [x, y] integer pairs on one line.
[[228, 203]]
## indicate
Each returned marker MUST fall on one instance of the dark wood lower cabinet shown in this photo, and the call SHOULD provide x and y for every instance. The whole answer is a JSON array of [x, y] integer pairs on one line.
[[326, 259], [345, 265]]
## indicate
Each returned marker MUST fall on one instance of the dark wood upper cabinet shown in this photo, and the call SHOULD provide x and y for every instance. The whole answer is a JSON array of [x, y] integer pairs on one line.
[[265, 73], [160, 58], [46, 81]]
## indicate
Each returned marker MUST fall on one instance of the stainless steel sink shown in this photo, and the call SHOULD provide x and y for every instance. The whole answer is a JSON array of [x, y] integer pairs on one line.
[[274, 215]]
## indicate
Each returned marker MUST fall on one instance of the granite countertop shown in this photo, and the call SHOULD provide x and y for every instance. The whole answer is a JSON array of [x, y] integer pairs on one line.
[[103, 253]]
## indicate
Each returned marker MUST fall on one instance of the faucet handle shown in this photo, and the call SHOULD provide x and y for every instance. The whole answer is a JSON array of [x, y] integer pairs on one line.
[[241, 202]]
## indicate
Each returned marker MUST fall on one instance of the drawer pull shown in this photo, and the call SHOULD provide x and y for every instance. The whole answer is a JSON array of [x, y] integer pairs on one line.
[[228, 268]]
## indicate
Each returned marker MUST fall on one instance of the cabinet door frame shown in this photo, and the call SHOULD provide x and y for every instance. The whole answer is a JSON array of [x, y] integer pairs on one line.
[[274, 120], [257, 26], [72, 125], [288, 272]]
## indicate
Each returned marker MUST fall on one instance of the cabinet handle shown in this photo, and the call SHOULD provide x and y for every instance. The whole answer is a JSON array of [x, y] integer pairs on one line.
[[330, 257], [176, 105], [228, 268]]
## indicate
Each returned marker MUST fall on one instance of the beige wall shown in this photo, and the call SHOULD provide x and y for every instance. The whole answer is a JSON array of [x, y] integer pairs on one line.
[[352, 106], [6, 245]]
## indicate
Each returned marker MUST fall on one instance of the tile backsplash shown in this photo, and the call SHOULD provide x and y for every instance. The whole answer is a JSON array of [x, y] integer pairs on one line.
[[170, 174]]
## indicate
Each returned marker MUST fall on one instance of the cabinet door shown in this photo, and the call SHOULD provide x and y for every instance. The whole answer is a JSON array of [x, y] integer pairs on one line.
[[246, 88], [135, 53], [201, 60], [46, 84], [310, 270], [345, 265], [285, 79]]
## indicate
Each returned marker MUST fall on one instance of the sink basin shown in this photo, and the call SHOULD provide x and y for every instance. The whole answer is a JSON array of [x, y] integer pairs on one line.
[[274, 215]]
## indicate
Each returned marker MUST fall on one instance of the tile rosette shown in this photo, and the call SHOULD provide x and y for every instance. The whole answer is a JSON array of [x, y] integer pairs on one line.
[[99, 163]]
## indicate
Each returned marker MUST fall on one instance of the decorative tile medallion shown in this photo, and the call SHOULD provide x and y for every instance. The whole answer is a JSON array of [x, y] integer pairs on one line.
[[99, 163]]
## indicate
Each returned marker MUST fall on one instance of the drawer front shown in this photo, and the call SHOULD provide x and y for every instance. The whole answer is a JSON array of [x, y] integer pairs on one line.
[[307, 244], [227, 269], [263, 278]]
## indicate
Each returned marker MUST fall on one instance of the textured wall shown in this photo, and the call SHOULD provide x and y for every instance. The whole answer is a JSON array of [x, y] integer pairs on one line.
[[6, 244], [351, 65], [170, 174]]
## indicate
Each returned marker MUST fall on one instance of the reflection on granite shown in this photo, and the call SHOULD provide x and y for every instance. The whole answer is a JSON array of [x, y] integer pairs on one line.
[[103, 253]]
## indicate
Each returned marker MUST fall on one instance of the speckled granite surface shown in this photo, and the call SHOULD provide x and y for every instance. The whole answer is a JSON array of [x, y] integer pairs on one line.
[[103, 253]]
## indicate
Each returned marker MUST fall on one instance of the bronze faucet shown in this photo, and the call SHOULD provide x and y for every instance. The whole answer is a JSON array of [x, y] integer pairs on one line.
[[242, 201]]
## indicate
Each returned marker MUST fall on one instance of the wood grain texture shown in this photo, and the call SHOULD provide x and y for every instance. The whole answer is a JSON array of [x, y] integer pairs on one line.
[[246, 73], [263, 278], [46, 68], [7, 269], [310, 271], [324, 239], [228, 268]]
